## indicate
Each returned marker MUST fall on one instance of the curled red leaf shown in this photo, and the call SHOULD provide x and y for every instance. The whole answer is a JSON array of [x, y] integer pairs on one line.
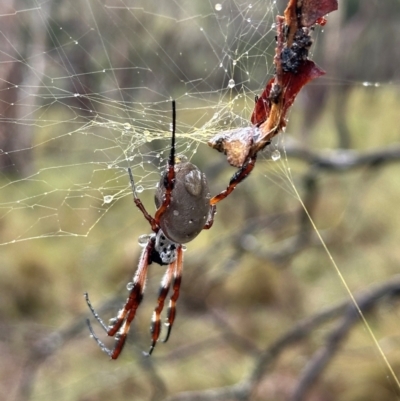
[[292, 84]]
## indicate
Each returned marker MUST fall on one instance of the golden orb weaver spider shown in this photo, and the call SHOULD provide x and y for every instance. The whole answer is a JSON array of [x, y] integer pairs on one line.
[[184, 209]]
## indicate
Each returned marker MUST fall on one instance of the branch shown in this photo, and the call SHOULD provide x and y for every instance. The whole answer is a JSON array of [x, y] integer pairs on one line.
[[343, 159], [244, 389], [322, 357], [49, 345]]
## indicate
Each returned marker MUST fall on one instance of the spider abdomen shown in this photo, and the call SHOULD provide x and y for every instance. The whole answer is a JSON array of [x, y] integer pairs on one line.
[[188, 211]]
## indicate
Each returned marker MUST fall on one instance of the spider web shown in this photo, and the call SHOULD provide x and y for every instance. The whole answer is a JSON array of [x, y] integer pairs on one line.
[[86, 91], [96, 98]]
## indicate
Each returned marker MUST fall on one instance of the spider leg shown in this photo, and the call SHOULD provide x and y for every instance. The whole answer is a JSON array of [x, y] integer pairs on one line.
[[155, 328], [120, 325], [210, 218], [139, 203], [237, 178], [169, 178], [98, 341], [94, 313], [171, 314]]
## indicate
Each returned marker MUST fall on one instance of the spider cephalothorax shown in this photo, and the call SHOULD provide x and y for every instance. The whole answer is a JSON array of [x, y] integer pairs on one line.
[[184, 209]]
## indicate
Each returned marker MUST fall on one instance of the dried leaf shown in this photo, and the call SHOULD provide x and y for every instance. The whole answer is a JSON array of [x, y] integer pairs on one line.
[[235, 144]]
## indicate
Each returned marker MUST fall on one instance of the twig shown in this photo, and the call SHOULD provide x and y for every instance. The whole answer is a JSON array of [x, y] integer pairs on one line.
[[49, 345], [243, 390], [343, 159], [322, 357]]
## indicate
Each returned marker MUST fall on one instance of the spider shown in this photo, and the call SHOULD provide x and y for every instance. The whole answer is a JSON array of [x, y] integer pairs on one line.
[[184, 209]]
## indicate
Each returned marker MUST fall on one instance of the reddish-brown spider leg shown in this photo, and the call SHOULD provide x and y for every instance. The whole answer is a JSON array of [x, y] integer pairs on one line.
[[175, 295], [238, 177], [121, 323], [169, 178], [210, 219], [155, 328], [169, 186]]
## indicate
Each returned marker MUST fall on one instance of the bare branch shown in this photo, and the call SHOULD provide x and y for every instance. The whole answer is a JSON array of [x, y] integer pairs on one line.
[[343, 159], [49, 345], [322, 357], [243, 390]]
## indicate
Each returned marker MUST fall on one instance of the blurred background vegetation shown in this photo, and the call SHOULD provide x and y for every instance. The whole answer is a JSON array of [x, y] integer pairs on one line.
[[249, 280]]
